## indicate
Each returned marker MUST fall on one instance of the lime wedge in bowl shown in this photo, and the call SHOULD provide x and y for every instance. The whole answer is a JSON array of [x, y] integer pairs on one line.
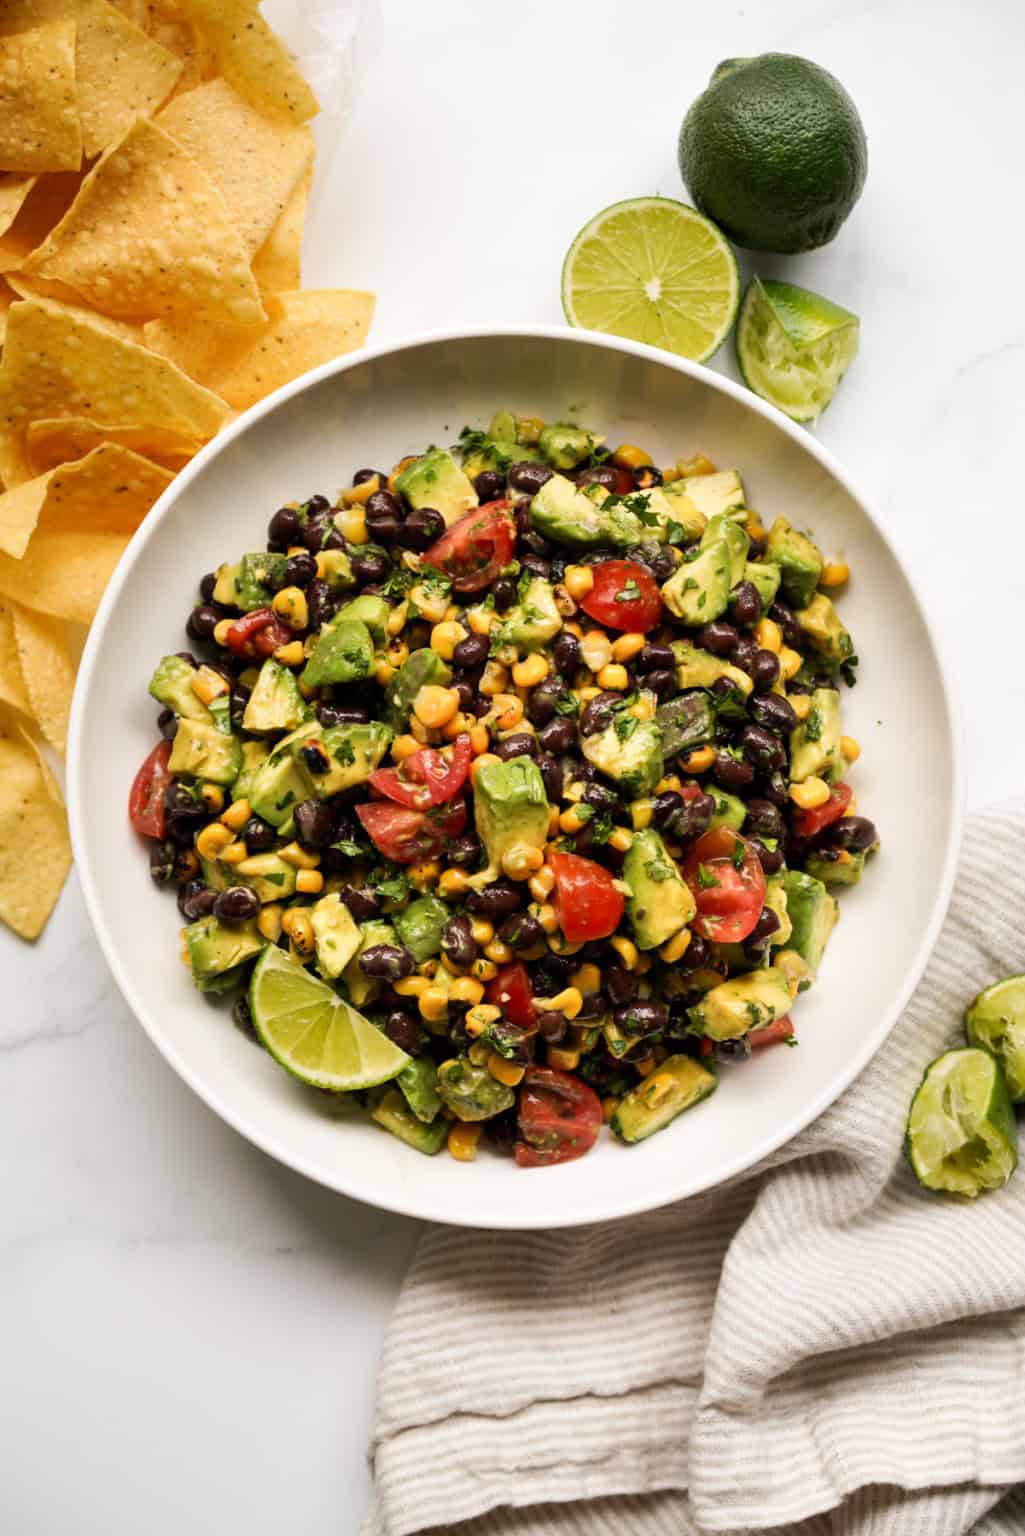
[[961, 1135], [313, 1033], [656, 271], [794, 346], [996, 1021]]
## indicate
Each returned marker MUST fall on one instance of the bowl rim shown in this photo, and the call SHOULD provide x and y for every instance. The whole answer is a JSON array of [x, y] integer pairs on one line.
[[636, 1201]]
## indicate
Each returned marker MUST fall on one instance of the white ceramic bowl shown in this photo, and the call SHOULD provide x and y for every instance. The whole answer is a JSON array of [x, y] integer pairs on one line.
[[369, 409]]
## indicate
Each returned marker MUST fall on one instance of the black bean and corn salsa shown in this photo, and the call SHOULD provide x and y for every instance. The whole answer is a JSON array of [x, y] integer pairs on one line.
[[507, 793]]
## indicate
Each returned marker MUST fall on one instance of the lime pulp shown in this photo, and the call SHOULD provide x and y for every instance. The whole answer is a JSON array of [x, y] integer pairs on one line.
[[794, 346], [961, 1135], [995, 1020]]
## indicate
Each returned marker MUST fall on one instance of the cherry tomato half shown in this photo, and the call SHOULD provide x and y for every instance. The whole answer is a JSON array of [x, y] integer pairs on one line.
[[624, 596], [511, 991], [728, 884], [257, 634], [769, 1034], [146, 799], [406, 836], [586, 900], [560, 1117], [427, 777], [474, 550], [807, 823]]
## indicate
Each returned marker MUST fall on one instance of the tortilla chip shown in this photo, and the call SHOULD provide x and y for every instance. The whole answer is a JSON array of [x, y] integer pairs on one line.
[[303, 330], [120, 73], [108, 491], [277, 265], [40, 129], [7, 298], [63, 574], [149, 235], [35, 849], [12, 684], [51, 443], [255, 162], [252, 57], [60, 364], [47, 672], [45, 203], [167, 26], [13, 192]]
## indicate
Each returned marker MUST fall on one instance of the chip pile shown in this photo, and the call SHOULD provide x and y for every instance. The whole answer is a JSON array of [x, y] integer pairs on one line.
[[155, 165]]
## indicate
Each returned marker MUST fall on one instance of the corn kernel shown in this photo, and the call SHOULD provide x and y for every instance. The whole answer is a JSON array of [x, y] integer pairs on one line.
[[644, 708], [208, 685], [676, 947], [811, 794], [620, 839], [212, 796], [698, 761], [403, 747], [431, 606], [769, 636], [494, 679], [753, 526], [383, 672], [542, 884], [445, 637], [298, 927], [627, 456], [669, 781], [800, 703], [483, 761], [268, 921], [459, 725], [508, 1072], [521, 861], [467, 990], [559, 945], [479, 740], [508, 711], [480, 620], [697, 464], [453, 884], [545, 914], [481, 931], [568, 1002], [484, 970], [835, 573], [425, 874], [396, 620], [627, 646], [626, 949], [290, 604], [789, 663], [234, 853], [499, 952], [850, 748], [212, 839], [614, 677], [641, 812], [351, 523], [587, 978], [595, 650], [609, 1105], [433, 1004], [530, 671], [563, 1060], [297, 856], [309, 882], [410, 986], [291, 655], [572, 822], [479, 1017], [578, 581], [435, 706], [359, 495], [221, 631], [463, 1140], [553, 820]]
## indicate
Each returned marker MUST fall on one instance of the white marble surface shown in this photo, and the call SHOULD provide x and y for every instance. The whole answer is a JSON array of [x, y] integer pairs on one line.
[[188, 1333]]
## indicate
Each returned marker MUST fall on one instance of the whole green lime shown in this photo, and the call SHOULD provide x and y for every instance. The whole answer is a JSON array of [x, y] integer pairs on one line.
[[774, 152]]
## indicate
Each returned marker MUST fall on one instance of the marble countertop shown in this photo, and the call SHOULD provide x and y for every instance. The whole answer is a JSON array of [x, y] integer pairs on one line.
[[189, 1333]]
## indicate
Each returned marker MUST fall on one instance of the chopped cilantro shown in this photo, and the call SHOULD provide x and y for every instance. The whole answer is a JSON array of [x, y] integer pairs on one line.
[[350, 847], [286, 799], [602, 828], [813, 725], [391, 885], [737, 856], [275, 877], [625, 725], [398, 583], [849, 671], [629, 594], [659, 870], [567, 704], [345, 753], [706, 880]]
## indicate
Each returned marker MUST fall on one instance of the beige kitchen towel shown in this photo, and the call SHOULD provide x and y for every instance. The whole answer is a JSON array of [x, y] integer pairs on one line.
[[820, 1348]]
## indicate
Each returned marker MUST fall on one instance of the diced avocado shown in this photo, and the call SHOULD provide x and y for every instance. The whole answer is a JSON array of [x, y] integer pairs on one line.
[[730, 810], [813, 914], [685, 722], [343, 654], [660, 903], [503, 426], [226, 584], [437, 481], [362, 989], [825, 632], [223, 982], [368, 609], [795, 968], [815, 741], [534, 621], [745, 1002], [565, 446], [335, 933], [335, 567], [776, 901], [800, 564], [201, 751], [737, 542], [275, 703], [254, 753], [497, 453], [712, 494], [700, 669], [422, 667], [215, 947], [171, 685], [835, 866], [765, 580], [679, 1083], [673, 505], [393, 1114], [470, 1092], [270, 877], [420, 926], [511, 810], [277, 786], [259, 576], [628, 750], [347, 755], [570, 516], [213, 872], [418, 1084], [699, 589]]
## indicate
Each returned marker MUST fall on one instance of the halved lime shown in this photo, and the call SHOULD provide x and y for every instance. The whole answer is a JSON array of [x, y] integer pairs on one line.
[[794, 346], [996, 1020], [313, 1033], [961, 1133], [656, 271]]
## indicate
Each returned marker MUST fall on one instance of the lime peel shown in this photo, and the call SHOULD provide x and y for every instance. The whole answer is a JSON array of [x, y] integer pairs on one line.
[[961, 1134], [794, 346]]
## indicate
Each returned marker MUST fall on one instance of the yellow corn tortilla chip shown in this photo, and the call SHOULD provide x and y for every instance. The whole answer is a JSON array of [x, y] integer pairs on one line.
[[108, 491], [35, 849], [40, 129], [44, 204], [252, 57], [67, 299], [13, 192], [12, 684], [54, 442], [63, 574], [7, 298], [47, 672], [277, 265], [149, 235], [58, 363], [302, 331], [167, 26], [256, 162], [120, 73]]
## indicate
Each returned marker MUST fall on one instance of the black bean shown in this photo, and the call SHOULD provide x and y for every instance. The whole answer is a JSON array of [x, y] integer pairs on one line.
[[363, 475], [521, 517], [698, 955], [238, 904], [620, 984], [729, 1052], [184, 814], [421, 527], [300, 570], [503, 590], [528, 476], [167, 723], [320, 603], [763, 819], [521, 931], [553, 973], [731, 773], [458, 942], [598, 712], [718, 637], [315, 535], [489, 485], [371, 567], [566, 654], [390, 962], [542, 702], [654, 656], [536, 566], [362, 901], [764, 670], [237, 701], [187, 656], [207, 584], [523, 744], [316, 504], [535, 543], [383, 516], [497, 900], [195, 900], [162, 858], [643, 1016], [604, 475], [463, 850], [775, 713], [855, 833], [775, 789], [762, 748], [665, 806], [743, 654], [746, 604], [646, 477], [552, 1026], [692, 819], [787, 620], [284, 529], [467, 695], [583, 842], [767, 924], [471, 652], [404, 1031], [558, 736], [662, 682], [771, 859], [329, 714], [601, 797], [258, 835], [314, 823], [551, 772]]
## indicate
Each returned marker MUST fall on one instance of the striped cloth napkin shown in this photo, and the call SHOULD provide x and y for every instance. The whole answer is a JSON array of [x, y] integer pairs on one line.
[[819, 1348]]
